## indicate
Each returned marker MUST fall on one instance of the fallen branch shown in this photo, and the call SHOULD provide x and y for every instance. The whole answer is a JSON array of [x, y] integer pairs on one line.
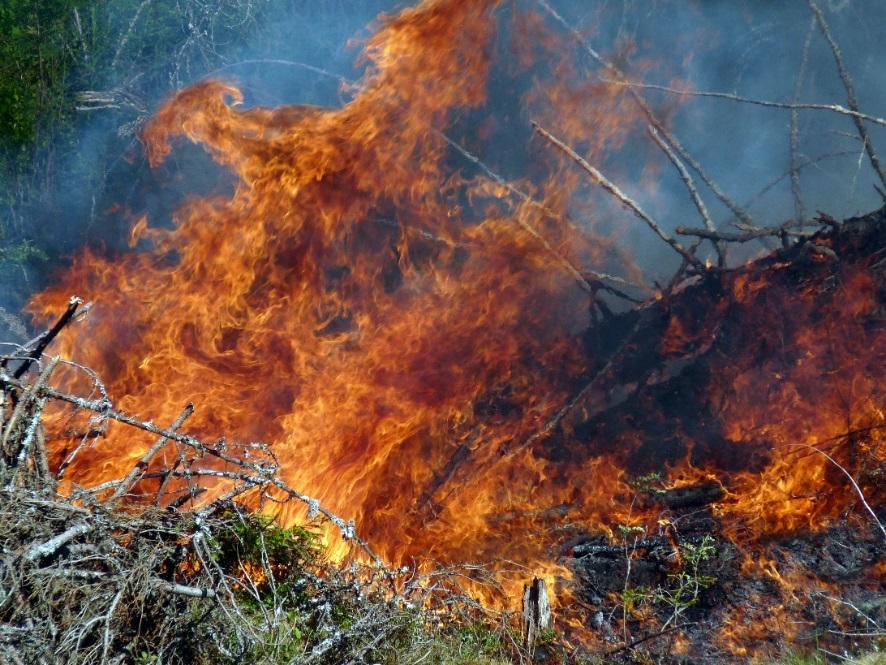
[[781, 231], [52, 545]]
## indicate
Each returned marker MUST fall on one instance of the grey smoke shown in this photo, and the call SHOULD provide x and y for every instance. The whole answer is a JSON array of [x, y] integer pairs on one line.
[[748, 47]]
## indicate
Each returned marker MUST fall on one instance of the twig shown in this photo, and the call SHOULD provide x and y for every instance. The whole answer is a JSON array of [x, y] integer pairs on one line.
[[126, 35], [161, 490], [631, 645], [732, 97], [851, 480], [104, 408], [109, 615], [686, 177], [46, 338], [564, 261], [610, 187], [795, 127], [278, 61], [851, 99], [810, 161], [650, 116], [347, 528], [136, 472], [30, 395]]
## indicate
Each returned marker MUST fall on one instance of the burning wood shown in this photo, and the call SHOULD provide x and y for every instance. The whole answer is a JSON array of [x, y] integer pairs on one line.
[[428, 357]]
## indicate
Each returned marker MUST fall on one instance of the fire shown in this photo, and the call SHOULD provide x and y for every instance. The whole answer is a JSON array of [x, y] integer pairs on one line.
[[389, 324]]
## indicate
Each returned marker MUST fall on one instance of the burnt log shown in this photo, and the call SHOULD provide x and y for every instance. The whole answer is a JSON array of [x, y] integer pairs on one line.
[[691, 496]]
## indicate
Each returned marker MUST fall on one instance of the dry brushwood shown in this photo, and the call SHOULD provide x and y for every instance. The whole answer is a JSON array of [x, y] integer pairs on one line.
[[99, 575]]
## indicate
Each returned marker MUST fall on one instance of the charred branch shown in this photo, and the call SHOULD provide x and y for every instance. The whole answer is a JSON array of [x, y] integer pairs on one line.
[[688, 497], [44, 340]]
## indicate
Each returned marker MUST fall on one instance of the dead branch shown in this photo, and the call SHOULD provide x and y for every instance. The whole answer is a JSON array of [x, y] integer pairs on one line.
[[138, 470], [851, 99], [647, 111], [128, 33], [610, 187], [46, 338], [852, 481], [183, 590], [795, 127], [788, 229], [526, 198], [52, 545], [732, 97], [686, 177]]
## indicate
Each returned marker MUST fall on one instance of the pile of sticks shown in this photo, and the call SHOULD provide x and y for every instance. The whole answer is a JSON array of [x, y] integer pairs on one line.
[[114, 573]]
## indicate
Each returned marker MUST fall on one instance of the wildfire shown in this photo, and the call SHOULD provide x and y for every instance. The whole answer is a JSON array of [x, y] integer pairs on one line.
[[395, 328]]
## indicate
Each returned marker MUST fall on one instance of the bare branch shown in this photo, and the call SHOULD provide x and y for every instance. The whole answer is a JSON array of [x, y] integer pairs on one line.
[[851, 99], [795, 127], [732, 97], [565, 262], [780, 231], [854, 484], [610, 187], [650, 116], [686, 177], [136, 472], [46, 338], [52, 545]]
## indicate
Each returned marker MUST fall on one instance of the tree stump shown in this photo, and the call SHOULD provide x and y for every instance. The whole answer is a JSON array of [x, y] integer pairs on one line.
[[536, 611]]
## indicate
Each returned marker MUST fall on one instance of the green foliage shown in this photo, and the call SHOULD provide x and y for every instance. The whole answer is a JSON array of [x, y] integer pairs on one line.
[[628, 530], [473, 643], [875, 657], [38, 53], [146, 658], [684, 586], [650, 483], [256, 542], [22, 252], [66, 63], [796, 658]]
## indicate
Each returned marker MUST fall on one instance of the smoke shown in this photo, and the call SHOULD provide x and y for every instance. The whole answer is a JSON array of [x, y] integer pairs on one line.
[[300, 52]]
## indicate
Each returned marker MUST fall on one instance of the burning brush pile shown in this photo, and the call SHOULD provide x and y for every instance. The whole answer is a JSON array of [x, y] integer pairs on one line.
[[448, 359], [89, 578]]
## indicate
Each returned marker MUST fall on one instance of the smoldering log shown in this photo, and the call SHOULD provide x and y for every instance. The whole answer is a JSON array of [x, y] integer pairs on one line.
[[688, 497]]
